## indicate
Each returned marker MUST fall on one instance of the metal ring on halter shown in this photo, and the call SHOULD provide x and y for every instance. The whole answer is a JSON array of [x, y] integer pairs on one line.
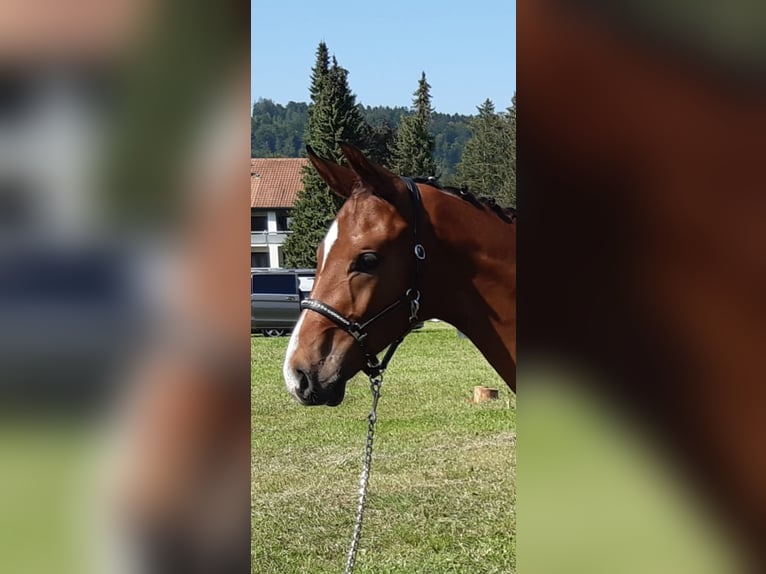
[[414, 309], [413, 295], [420, 252]]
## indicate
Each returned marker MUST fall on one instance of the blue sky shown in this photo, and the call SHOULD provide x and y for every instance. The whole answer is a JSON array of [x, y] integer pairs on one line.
[[467, 49]]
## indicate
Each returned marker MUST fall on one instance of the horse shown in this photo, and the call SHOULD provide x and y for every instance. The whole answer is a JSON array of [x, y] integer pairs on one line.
[[401, 251]]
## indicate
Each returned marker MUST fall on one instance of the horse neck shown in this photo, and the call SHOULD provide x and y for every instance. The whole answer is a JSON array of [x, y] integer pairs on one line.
[[470, 278]]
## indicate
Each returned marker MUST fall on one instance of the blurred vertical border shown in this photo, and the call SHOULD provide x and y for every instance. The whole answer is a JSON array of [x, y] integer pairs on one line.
[[642, 326], [124, 353]]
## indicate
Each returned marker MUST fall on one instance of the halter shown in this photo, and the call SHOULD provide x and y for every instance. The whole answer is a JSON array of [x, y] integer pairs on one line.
[[359, 331]]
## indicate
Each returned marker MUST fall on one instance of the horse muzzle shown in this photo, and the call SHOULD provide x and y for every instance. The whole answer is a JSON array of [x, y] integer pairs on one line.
[[309, 390], [316, 374]]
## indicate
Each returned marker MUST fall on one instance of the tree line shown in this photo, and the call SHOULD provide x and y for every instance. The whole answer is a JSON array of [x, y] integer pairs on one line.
[[477, 152], [277, 130]]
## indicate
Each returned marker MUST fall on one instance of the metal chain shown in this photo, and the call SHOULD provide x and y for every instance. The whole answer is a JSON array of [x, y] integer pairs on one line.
[[364, 477]]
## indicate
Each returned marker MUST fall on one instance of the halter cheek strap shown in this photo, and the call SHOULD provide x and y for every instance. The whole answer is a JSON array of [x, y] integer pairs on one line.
[[359, 331]]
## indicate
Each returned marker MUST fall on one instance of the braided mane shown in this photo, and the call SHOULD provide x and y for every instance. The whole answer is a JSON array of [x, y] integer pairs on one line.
[[507, 214]]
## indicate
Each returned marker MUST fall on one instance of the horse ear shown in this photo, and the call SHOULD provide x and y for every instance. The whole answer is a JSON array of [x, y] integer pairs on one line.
[[378, 177], [341, 179]]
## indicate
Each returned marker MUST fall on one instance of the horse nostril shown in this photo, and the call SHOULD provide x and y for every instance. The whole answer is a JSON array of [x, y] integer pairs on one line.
[[304, 385]]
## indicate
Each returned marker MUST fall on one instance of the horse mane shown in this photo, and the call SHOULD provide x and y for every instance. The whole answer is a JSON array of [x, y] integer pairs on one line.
[[507, 214]]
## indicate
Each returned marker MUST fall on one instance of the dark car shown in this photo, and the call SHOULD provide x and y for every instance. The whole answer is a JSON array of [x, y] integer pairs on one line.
[[275, 299]]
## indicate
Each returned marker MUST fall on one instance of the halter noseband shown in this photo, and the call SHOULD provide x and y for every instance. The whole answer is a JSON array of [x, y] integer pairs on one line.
[[359, 331]]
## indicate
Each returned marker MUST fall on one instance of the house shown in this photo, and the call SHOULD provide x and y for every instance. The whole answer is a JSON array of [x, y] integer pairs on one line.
[[274, 186]]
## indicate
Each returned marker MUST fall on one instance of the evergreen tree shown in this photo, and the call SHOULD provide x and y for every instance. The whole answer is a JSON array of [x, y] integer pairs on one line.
[[342, 120], [312, 214], [333, 116], [508, 162], [488, 162], [381, 142], [319, 71], [414, 148]]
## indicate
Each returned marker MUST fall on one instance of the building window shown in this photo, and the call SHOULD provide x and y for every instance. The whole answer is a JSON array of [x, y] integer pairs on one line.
[[258, 222], [283, 221], [259, 259]]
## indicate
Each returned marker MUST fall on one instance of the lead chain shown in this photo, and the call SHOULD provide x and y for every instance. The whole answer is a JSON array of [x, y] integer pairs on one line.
[[364, 477]]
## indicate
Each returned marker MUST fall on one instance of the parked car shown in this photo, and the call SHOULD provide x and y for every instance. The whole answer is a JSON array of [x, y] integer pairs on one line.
[[275, 299]]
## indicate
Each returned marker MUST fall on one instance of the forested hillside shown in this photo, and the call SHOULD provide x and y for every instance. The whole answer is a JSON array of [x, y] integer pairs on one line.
[[278, 130]]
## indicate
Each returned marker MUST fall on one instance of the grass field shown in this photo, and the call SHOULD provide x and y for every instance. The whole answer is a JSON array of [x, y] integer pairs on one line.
[[442, 488]]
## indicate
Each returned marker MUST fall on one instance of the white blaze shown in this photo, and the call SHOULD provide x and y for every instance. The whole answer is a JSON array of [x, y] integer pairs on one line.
[[291, 377], [292, 380], [329, 241]]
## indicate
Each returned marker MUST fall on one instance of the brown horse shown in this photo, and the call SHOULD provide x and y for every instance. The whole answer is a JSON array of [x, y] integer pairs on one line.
[[400, 252]]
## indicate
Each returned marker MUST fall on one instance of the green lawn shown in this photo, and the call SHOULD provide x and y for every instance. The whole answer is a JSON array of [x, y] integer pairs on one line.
[[442, 489]]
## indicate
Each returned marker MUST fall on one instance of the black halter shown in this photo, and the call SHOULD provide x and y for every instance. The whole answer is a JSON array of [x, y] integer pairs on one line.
[[359, 331]]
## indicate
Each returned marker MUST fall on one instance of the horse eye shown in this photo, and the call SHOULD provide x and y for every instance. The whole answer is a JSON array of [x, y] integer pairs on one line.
[[366, 262]]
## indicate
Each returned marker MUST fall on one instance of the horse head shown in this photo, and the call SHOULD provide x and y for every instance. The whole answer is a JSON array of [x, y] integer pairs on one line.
[[365, 266]]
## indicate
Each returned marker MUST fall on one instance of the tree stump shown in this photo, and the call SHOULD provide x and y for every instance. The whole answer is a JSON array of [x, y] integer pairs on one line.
[[482, 394]]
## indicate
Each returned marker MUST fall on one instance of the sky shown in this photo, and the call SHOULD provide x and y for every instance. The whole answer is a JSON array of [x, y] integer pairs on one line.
[[466, 49]]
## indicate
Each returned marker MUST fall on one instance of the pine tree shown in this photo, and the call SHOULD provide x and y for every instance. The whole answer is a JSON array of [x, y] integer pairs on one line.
[[508, 161], [414, 147], [312, 214], [319, 71], [344, 120], [381, 142], [334, 116], [488, 163]]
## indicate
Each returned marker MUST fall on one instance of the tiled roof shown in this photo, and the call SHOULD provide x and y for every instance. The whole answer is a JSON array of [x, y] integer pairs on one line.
[[274, 182]]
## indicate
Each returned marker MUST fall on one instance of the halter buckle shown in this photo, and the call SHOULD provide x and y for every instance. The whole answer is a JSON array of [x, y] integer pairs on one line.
[[355, 330], [374, 368]]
